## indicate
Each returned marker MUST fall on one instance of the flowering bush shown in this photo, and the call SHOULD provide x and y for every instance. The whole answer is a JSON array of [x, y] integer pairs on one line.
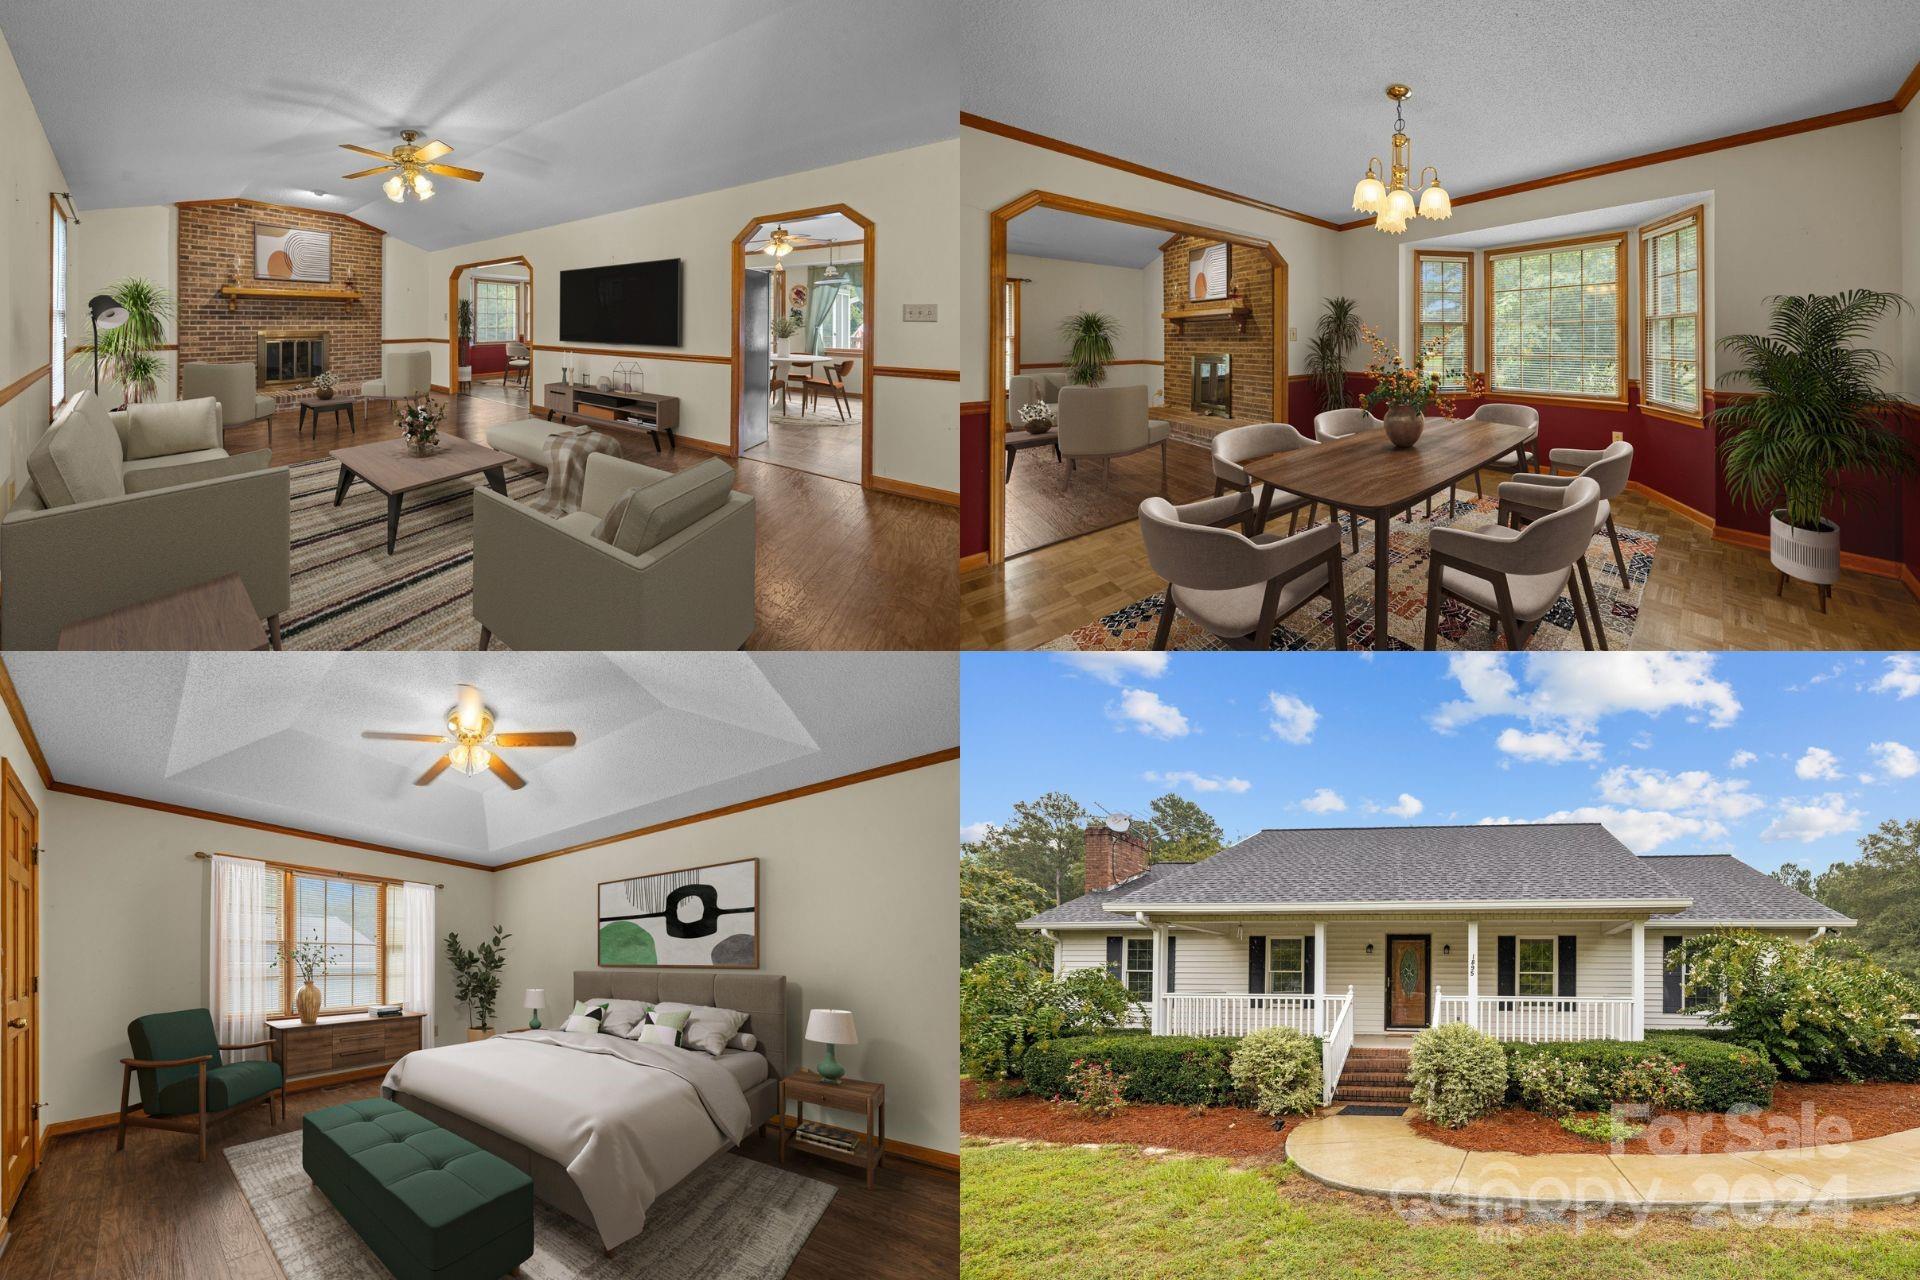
[[1720, 1073], [1553, 1086], [1654, 1079], [1095, 1088], [1279, 1069], [1457, 1073]]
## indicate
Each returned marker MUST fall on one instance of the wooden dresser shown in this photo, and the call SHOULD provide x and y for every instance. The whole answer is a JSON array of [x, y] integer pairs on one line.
[[343, 1042]]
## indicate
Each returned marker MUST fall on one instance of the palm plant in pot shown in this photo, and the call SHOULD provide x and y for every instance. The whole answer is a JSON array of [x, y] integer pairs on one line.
[[476, 979], [1333, 337], [1814, 414], [129, 354], [1089, 337]]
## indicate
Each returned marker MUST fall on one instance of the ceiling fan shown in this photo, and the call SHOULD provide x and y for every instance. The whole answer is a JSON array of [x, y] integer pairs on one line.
[[783, 242], [472, 743], [412, 165]]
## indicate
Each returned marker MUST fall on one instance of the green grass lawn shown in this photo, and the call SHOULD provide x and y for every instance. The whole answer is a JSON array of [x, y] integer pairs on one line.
[[1071, 1213]]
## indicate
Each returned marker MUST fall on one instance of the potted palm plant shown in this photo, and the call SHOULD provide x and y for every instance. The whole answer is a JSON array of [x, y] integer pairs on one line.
[[1089, 337], [1814, 413], [476, 979], [1333, 337], [129, 354], [466, 339]]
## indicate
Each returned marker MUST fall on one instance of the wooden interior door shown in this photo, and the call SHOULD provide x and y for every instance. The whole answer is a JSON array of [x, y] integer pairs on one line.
[[20, 982], [1407, 981]]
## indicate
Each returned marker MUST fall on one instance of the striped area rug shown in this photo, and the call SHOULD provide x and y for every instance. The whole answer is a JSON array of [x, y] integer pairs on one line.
[[348, 593]]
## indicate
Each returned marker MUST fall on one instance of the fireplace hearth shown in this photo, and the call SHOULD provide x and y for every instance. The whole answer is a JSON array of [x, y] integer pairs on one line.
[[1213, 384], [290, 357]]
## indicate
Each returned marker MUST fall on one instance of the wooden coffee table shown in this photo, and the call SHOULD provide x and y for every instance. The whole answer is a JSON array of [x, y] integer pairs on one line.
[[215, 615], [390, 468]]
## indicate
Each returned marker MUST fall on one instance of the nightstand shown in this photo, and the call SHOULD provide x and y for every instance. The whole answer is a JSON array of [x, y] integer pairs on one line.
[[849, 1146]]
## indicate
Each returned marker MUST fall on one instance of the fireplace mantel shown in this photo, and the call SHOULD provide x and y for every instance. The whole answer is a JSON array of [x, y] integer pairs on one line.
[[234, 292], [1234, 309]]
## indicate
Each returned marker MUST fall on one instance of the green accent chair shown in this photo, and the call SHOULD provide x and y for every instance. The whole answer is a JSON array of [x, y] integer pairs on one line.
[[183, 1082], [430, 1204]]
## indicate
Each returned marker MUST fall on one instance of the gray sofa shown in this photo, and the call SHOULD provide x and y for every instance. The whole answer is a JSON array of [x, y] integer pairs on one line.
[[124, 507], [673, 571]]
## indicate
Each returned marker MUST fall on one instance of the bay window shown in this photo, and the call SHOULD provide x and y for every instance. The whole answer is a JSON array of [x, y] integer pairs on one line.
[[1555, 319], [1443, 314], [1672, 342]]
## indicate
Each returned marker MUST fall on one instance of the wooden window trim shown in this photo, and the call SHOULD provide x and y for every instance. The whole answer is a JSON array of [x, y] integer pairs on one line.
[[1300, 938], [1553, 949], [1466, 285], [1012, 302], [1618, 239], [1697, 215], [288, 874]]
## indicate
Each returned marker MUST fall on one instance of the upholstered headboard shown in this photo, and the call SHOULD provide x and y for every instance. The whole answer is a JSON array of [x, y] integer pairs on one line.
[[761, 996]]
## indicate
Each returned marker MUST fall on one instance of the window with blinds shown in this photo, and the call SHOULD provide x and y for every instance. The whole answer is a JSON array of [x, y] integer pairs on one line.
[[57, 279], [348, 917], [1555, 321], [1443, 313], [496, 311], [1671, 338]]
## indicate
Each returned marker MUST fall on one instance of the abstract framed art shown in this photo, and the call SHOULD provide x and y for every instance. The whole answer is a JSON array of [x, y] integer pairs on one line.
[[696, 918], [292, 253]]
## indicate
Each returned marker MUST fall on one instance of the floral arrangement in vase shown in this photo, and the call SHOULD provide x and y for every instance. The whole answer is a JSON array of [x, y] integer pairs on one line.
[[1037, 417], [306, 959], [419, 424], [324, 384], [1406, 391]]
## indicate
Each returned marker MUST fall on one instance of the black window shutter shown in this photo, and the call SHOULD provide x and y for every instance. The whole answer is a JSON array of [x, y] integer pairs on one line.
[[1506, 966], [1171, 940], [1672, 994], [1257, 965], [1116, 947], [1569, 968], [1306, 965]]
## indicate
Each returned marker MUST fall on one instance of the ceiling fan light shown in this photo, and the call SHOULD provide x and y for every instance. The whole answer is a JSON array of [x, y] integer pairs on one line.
[[1368, 194], [1435, 203], [422, 186], [396, 188]]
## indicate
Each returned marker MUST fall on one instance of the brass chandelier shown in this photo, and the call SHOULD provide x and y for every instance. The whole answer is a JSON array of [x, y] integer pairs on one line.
[[1390, 201]]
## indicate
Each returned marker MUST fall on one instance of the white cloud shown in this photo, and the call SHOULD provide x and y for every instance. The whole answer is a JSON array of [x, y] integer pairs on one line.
[[1405, 807], [1293, 720], [1812, 820], [1582, 688], [974, 831], [1200, 781], [1548, 745], [1901, 678], [1324, 800], [1118, 668], [1143, 710], [1741, 759], [1895, 759], [1642, 742], [1693, 791], [1641, 830], [1818, 762]]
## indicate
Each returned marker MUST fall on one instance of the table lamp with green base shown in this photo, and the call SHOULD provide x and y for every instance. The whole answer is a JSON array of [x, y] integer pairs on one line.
[[536, 1000], [831, 1027]]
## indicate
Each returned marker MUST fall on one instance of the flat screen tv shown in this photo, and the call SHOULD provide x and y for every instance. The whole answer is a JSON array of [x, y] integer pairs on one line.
[[632, 304]]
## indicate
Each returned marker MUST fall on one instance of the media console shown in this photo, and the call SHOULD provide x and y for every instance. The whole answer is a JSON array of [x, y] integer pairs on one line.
[[647, 412]]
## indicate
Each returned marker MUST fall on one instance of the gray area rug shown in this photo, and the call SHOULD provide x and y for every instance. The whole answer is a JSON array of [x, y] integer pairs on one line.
[[732, 1219]]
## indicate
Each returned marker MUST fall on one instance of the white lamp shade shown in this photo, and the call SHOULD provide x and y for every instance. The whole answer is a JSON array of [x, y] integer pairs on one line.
[[831, 1026], [1384, 221], [1436, 204], [1367, 194], [1399, 206], [536, 998]]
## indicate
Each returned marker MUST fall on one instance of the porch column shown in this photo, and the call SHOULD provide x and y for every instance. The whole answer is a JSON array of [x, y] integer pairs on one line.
[[1637, 1023], [1159, 980], [1320, 978], [1473, 973]]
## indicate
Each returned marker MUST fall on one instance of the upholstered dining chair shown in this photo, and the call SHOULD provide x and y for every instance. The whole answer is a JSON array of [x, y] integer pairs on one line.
[[1238, 587], [1107, 423], [1515, 577], [520, 362], [1236, 445], [1527, 456], [1608, 468], [183, 1083]]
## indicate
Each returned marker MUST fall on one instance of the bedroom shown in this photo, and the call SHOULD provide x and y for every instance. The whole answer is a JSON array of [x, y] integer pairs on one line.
[[739, 821]]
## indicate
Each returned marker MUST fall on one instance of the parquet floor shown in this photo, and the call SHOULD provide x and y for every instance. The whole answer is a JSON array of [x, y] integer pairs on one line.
[[1041, 511]]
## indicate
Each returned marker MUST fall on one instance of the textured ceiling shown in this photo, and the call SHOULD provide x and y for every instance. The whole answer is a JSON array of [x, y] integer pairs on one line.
[[1074, 237], [1285, 101], [276, 738], [570, 107]]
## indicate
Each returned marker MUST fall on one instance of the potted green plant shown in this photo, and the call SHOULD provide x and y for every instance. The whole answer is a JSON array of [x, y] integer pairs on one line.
[[1816, 413], [476, 979], [306, 959], [784, 327], [466, 339], [129, 354], [1333, 337], [1089, 337]]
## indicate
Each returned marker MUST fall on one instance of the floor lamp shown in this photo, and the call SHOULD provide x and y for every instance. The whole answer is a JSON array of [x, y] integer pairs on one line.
[[109, 315]]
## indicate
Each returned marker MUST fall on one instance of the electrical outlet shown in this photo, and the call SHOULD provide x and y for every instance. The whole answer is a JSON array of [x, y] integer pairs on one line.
[[919, 312], [1293, 334], [1618, 436]]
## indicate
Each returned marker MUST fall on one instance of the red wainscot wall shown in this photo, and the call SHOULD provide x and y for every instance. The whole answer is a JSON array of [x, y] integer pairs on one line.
[[975, 476]]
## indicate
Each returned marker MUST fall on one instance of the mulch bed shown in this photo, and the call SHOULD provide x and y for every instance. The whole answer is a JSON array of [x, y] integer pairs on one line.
[[1840, 1113], [1232, 1132]]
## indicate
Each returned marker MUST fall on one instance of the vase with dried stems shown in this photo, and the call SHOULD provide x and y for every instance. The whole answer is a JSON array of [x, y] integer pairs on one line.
[[1408, 392]]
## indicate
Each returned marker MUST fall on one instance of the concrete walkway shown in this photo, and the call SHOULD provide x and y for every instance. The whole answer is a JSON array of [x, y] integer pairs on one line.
[[1382, 1155]]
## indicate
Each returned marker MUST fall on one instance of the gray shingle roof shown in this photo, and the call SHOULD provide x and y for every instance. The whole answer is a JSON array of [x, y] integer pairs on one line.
[[1723, 888], [1089, 908]]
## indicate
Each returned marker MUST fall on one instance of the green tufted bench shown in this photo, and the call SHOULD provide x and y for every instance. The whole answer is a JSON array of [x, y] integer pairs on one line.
[[430, 1204]]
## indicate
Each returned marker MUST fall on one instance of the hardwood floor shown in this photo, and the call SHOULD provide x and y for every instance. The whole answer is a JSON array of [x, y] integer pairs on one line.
[[819, 442], [839, 566], [1042, 511], [155, 1212], [1704, 594]]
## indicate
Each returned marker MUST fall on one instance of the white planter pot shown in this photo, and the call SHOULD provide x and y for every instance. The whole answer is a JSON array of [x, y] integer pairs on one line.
[[783, 346], [1807, 554]]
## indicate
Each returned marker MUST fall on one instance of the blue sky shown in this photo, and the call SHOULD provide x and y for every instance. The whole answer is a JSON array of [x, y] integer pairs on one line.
[[1773, 757]]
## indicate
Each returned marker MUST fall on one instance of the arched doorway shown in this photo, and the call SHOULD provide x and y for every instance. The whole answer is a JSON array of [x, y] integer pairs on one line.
[[522, 318]]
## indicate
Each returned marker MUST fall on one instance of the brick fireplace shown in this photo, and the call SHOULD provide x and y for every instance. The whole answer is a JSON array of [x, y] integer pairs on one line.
[[307, 334], [1235, 358]]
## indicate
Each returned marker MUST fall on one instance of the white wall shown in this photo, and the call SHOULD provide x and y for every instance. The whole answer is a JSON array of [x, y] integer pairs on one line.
[[110, 245], [407, 300], [1910, 244], [910, 195], [857, 893], [1056, 289], [29, 174]]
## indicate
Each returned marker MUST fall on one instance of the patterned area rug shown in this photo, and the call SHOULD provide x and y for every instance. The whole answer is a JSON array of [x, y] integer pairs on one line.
[[1460, 628], [732, 1219], [348, 593]]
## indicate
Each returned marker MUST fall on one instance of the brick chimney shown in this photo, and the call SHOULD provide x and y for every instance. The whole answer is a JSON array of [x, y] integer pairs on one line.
[[1113, 856]]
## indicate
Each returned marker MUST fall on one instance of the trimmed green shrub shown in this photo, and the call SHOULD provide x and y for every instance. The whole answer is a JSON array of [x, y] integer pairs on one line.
[[1720, 1074], [1605, 1128], [1279, 1069], [1551, 1086], [1457, 1074], [1008, 1004], [1188, 1070]]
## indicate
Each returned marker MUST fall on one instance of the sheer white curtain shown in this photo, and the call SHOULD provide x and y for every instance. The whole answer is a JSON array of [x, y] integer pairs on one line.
[[421, 936], [245, 983]]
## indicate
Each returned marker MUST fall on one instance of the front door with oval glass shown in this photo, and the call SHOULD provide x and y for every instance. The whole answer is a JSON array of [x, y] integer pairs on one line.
[[1407, 981]]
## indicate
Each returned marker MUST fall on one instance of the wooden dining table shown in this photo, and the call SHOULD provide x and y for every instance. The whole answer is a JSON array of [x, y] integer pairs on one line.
[[1364, 475]]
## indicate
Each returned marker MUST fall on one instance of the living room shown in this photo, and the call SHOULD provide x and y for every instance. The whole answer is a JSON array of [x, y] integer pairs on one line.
[[291, 303]]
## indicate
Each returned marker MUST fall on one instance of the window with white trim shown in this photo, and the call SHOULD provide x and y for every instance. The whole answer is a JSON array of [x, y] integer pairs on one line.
[[1287, 966], [1139, 969], [1536, 967], [57, 280], [1555, 321], [1671, 341]]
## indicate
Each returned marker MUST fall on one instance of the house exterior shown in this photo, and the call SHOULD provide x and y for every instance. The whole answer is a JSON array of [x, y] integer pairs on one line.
[[1543, 931]]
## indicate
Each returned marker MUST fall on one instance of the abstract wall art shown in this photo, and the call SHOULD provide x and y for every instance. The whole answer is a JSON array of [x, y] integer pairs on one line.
[[697, 918], [292, 253], [1207, 270]]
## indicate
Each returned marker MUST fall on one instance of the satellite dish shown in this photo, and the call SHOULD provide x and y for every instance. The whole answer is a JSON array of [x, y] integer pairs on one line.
[[1118, 822]]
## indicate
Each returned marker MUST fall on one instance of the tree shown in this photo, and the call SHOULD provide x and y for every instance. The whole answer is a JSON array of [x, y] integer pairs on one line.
[[1181, 831], [1045, 844], [1881, 889], [992, 902], [1795, 876]]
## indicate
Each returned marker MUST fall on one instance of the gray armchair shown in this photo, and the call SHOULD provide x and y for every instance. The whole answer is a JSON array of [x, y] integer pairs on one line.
[[672, 569], [1237, 587], [1338, 424], [1515, 577], [1527, 456], [406, 375], [1236, 445], [1028, 388], [234, 386], [1108, 423], [1608, 468]]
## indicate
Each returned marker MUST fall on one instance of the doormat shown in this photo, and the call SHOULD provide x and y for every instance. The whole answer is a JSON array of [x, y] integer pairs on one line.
[[1368, 1109]]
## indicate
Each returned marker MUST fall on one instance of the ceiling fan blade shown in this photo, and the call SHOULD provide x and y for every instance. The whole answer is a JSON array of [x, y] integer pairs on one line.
[[367, 173], [504, 771], [431, 151], [367, 151], [560, 739], [454, 171], [403, 737], [433, 771]]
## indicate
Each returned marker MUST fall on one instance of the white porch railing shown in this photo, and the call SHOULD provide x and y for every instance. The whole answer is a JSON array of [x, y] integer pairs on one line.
[[1334, 1046], [1538, 1018], [1228, 1014]]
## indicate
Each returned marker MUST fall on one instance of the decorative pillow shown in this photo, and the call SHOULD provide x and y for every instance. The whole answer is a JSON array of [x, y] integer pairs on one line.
[[656, 512], [708, 1029], [595, 1002], [585, 1023], [655, 1033], [172, 426], [675, 1016], [610, 522], [79, 458], [745, 1040], [624, 1015]]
